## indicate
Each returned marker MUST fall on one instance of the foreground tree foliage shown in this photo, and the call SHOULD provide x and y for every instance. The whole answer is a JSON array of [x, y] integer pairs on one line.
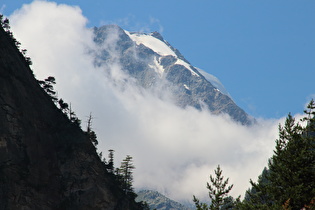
[[289, 180], [218, 193], [289, 183]]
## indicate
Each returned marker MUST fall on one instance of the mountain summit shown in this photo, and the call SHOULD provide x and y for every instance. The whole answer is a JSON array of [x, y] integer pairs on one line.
[[156, 65]]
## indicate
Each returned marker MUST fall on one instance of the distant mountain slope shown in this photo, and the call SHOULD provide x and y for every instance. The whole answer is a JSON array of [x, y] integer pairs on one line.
[[46, 162], [157, 66], [157, 201]]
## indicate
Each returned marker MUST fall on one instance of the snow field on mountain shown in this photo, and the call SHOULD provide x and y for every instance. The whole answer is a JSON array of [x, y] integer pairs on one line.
[[157, 67], [186, 87], [159, 47], [153, 43], [187, 66]]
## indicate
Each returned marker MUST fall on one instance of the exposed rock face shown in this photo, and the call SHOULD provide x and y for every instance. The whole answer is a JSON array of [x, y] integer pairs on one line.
[[46, 162], [156, 65], [156, 200]]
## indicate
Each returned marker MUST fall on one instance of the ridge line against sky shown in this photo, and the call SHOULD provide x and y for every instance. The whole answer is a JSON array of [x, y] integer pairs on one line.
[[263, 52], [184, 144]]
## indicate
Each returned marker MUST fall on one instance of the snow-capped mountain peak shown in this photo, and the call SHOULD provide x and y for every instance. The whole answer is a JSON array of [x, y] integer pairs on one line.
[[159, 46], [155, 65]]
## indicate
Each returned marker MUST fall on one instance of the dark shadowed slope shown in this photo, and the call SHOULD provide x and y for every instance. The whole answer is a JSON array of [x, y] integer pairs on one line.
[[46, 162]]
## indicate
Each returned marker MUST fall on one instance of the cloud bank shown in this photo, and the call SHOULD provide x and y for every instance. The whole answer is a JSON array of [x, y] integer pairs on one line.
[[174, 149]]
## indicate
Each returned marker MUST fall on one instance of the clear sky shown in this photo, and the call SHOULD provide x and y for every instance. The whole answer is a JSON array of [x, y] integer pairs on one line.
[[263, 51]]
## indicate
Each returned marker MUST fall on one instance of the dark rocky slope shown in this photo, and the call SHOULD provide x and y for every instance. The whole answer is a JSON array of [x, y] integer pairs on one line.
[[46, 162]]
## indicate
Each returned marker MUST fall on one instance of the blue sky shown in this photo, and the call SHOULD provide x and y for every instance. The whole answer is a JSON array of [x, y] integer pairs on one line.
[[262, 51]]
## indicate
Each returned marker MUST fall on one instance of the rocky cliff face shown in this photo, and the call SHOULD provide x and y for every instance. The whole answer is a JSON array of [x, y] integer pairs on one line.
[[46, 162], [156, 65]]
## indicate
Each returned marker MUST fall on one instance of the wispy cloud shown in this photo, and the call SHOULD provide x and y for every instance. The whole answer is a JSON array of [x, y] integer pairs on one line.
[[121, 22], [133, 23], [155, 21], [2, 8], [174, 149]]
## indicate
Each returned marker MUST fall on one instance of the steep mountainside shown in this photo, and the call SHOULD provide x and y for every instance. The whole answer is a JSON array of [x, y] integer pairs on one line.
[[156, 65], [46, 162]]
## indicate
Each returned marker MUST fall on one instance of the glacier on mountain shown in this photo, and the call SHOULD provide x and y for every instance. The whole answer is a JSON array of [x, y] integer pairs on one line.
[[151, 42]]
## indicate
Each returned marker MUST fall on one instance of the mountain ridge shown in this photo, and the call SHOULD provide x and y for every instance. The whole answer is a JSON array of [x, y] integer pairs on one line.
[[156, 200], [46, 162], [155, 64]]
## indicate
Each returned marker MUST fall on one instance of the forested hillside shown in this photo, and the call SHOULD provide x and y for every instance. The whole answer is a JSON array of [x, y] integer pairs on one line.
[[46, 160]]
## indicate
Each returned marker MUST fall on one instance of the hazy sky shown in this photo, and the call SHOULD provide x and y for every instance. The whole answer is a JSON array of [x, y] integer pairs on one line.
[[262, 51]]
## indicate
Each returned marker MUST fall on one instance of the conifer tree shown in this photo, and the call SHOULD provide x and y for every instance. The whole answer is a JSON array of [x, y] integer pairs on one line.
[[91, 134], [111, 161], [6, 25], [258, 194], [125, 173], [74, 119], [48, 86], [218, 189], [291, 174], [64, 107], [218, 192], [292, 167]]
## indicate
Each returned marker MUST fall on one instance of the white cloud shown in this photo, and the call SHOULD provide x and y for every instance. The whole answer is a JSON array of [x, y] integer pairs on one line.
[[174, 149]]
